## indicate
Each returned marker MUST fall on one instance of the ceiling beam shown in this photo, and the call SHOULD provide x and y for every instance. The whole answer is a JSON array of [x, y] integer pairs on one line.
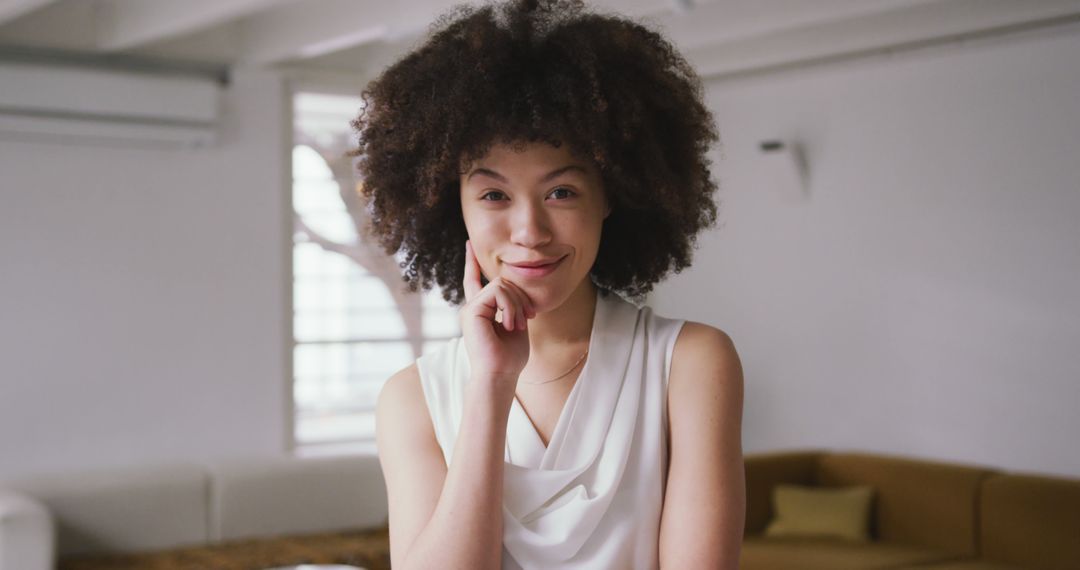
[[707, 23], [12, 9], [906, 28], [296, 32], [125, 24]]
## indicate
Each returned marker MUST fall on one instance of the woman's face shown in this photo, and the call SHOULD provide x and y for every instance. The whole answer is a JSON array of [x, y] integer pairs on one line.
[[540, 205]]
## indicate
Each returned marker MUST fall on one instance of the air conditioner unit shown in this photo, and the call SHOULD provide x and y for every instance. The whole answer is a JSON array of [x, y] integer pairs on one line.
[[95, 106]]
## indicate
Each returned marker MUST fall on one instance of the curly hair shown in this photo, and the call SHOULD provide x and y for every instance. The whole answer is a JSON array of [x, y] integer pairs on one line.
[[618, 93]]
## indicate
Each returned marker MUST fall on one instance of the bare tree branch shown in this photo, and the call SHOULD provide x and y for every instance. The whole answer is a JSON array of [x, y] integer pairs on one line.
[[366, 254]]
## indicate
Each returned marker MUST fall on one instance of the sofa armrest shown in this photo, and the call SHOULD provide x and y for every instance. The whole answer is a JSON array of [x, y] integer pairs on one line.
[[27, 538], [1030, 520], [764, 471]]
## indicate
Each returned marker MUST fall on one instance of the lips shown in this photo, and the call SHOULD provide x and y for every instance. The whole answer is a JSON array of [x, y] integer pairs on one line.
[[535, 268], [537, 263]]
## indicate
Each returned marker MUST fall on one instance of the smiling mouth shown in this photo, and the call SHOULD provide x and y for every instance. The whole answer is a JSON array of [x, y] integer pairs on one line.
[[533, 265], [536, 270]]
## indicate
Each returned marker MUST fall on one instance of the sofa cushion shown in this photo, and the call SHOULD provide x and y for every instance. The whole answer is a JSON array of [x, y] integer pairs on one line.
[[288, 496], [921, 503], [766, 553], [1031, 521], [124, 510], [764, 471], [810, 511]]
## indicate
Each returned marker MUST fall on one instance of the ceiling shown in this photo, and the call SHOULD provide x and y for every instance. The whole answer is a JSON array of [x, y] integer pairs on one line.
[[359, 37]]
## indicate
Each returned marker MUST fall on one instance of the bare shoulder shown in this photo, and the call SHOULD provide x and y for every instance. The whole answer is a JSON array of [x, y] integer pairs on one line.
[[401, 407], [694, 332], [402, 387], [701, 345], [404, 432], [705, 366]]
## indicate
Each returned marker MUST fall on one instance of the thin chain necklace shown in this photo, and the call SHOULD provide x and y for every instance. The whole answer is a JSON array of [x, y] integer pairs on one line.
[[560, 375]]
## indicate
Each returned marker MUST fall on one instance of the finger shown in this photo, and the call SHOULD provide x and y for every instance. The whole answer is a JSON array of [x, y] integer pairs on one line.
[[507, 304], [483, 304], [518, 309], [521, 305], [527, 305], [486, 303], [471, 281]]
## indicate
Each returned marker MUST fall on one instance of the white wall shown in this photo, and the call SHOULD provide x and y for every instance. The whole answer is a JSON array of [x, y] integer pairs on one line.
[[142, 295], [923, 299]]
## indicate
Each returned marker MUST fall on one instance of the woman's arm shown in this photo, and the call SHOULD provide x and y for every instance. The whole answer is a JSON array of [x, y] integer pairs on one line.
[[444, 517], [439, 517], [705, 501]]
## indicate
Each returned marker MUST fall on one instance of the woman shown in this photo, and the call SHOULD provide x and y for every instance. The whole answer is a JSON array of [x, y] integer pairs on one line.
[[534, 159]]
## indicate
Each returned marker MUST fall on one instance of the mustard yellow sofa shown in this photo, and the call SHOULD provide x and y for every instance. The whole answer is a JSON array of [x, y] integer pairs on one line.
[[930, 515]]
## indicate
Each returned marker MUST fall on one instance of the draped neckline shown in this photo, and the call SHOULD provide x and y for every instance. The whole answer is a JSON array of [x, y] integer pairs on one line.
[[524, 432], [588, 410]]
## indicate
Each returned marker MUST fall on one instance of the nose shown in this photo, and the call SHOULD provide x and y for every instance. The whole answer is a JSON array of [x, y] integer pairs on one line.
[[529, 226]]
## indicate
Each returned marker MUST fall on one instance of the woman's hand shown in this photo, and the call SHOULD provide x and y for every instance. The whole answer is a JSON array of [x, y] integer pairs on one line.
[[496, 350]]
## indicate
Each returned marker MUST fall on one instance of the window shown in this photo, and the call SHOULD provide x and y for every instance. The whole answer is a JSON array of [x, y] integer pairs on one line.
[[354, 324]]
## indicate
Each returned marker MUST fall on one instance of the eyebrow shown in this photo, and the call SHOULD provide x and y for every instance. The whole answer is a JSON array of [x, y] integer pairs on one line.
[[547, 177]]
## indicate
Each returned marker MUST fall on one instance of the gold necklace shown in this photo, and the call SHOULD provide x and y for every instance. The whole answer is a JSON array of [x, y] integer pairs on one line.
[[560, 375]]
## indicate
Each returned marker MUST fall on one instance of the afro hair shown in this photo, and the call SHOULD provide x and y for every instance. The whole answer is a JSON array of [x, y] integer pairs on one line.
[[614, 90]]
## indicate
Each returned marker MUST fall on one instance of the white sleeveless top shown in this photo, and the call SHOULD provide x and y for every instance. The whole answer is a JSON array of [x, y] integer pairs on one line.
[[593, 498]]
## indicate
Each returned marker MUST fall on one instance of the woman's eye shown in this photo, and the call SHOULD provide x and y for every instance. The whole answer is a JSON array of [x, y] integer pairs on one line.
[[496, 196], [563, 189]]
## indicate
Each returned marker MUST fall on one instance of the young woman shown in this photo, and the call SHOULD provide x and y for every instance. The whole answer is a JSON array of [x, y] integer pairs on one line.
[[539, 163]]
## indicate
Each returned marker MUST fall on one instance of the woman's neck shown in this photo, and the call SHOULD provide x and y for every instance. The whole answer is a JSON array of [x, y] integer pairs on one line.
[[569, 324]]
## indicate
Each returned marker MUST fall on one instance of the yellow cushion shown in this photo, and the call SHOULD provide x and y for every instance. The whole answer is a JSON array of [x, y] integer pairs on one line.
[[821, 511]]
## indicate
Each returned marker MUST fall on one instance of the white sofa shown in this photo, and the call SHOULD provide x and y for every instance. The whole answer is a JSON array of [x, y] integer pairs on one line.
[[184, 504]]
